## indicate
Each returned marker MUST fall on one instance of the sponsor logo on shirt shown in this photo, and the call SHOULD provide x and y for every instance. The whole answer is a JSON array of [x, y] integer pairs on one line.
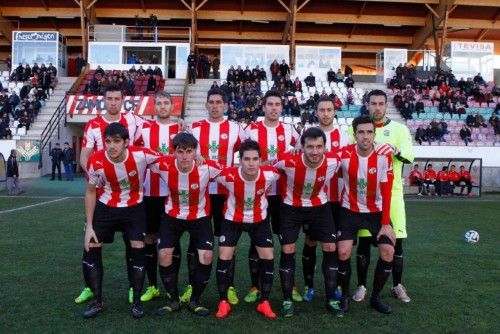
[[281, 138], [387, 133], [372, 170]]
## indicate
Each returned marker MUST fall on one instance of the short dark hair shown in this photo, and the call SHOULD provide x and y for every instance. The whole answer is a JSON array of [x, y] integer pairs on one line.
[[184, 140], [444, 168], [66, 143], [312, 133], [429, 165], [462, 166], [163, 93], [453, 166], [377, 92], [217, 91], [416, 165], [270, 93], [113, 87], [249, 145], [324, 99], [116, 130], [364, 119]]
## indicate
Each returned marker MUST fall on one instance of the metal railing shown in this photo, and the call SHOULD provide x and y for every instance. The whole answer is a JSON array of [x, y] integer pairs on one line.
[[53, 125], [123, 33]]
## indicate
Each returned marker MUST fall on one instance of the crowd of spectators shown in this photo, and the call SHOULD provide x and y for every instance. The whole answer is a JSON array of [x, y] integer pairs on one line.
[[22, 96], [135, 81]]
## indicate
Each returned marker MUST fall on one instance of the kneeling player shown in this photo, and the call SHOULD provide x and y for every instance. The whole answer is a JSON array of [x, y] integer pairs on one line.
[[246, 210], [366, 201], [187, 209], [121, 169]]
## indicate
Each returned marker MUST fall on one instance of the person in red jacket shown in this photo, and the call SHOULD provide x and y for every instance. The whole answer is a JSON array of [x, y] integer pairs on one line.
[[443, 182], [454, 177], [429, 178], [417, 179], [465, 180]]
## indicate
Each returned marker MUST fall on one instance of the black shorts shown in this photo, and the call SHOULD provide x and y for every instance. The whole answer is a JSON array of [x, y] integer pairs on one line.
[[107, 220], [200, 230], [317, 223], [274, 212], [351, 222], [155, 209], [260, 233], [335, 208], [216, 209]]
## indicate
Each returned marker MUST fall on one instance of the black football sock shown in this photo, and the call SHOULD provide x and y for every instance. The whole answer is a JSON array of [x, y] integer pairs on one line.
[[253, 265], [382, 272], [223, 268], [128, 257], [138, 265], [169, 276], [85, 260], [287, 274], [202, 276], [231, 272], [151, 253], [176, 257], [344, 276], [397, 266], [363, 259], [330, 271], [266, 273], [308, 264], [192, 261], [95, 271]]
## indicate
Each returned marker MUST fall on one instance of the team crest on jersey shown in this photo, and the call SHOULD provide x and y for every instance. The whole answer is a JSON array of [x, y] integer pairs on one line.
[[272, 150], [362, 184], [248, 203], [214, 147], [321, 179], [335, 144], [223, 136], [372, 170], [387, 133], [163, 149], [308, 188], [132, 173], [260, 192], [194, 186], [183, 196], [124, 183], [281, 138]]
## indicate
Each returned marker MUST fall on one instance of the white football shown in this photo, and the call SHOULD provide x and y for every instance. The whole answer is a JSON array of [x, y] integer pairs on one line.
[[471, 237]]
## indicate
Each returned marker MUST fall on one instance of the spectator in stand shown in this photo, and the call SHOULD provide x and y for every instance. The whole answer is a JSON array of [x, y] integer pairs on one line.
[[479, 121], [420, 135], [80, 63], [287, 108], [419, 108], [466, 134], [470, 120], [215, 67], [347, 70], [192, 60], [465, 181], [443, 182], [349, 81], [14, 100], [430, 179], [405, 111], [437, 131], [444, 127], [13, 183], [151, 84], [478, 79], [310, 80], [330, 76], [284, 68], [306, 117], [275, 69], [24, 121], [297, 85], [417, 179], [339, 77], [454, 177]]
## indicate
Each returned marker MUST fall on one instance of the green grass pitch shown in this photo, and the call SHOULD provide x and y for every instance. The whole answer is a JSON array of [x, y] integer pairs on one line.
[[454, 286]]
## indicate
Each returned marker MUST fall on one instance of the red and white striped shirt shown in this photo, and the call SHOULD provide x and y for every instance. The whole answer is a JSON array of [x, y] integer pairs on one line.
[[367, 182], [188, 194], [305, 186], [247, 200], [123, 182], [93, 134], [273, 141], [218, 142], [336, 139], [157, 137]]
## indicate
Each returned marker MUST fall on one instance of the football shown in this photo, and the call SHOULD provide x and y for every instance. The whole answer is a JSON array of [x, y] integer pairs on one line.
[[471, 237]]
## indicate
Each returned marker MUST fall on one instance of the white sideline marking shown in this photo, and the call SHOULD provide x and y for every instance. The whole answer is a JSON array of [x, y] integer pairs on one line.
[[33, 205], [37, 197]]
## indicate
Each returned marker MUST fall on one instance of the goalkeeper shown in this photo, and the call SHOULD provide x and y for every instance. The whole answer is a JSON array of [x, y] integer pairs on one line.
[[395, 138]]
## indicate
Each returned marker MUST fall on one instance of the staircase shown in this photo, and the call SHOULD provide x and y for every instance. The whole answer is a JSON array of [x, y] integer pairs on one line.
[[46, 112], [195, 100]]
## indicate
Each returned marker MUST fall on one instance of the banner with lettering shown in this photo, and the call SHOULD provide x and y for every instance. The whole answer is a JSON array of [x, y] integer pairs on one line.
[[139, 105]]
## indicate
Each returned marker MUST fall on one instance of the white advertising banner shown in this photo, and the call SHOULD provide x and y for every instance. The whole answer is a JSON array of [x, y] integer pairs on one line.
[[470, 58], [318, 60], [392, 59]]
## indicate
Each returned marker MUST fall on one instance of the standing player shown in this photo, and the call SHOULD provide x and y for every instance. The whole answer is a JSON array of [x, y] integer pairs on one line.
[[274, 138], [119, 208], [246, 210], [187, 209], [305, 204], [93, 140], [399, 144], [218, 140], [366, 201], [156, 135], [336, 139]]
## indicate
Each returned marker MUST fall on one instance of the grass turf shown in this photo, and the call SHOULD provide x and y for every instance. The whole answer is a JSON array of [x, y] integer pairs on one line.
[[453, 285]]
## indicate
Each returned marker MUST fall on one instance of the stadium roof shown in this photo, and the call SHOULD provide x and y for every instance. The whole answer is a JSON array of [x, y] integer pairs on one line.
[[361, 28]]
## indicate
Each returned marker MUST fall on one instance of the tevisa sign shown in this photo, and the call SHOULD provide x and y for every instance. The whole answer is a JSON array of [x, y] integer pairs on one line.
[[472, 47], [35, 36], [139, 105]]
